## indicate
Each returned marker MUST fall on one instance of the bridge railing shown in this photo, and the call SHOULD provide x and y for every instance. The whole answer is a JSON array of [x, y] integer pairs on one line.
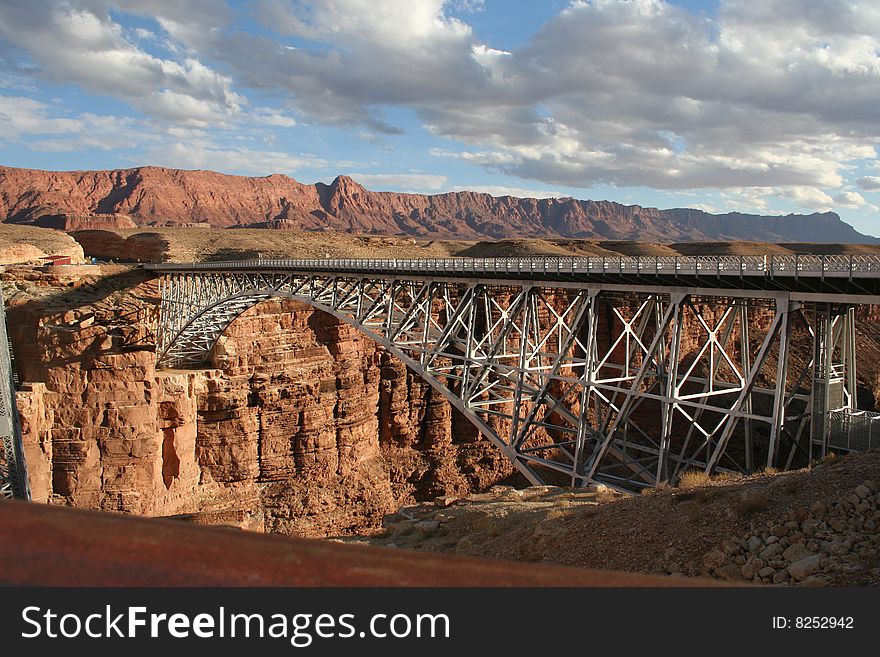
[[854, 430], [679, 265]]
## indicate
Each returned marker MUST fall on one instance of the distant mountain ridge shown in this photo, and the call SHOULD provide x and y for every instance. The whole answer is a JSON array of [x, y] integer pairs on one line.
[[159, 196]]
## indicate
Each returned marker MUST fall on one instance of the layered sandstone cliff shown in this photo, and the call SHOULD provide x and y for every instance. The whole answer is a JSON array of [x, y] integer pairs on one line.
[[158, 196], [72, 221], [299, 425]]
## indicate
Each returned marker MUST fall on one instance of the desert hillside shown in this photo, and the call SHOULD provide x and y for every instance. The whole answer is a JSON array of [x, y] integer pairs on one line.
[[23, 243], [812, 527]]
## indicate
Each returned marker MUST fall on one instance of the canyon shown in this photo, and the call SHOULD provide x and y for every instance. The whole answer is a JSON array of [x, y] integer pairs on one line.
[[299, 425], [155, 196]]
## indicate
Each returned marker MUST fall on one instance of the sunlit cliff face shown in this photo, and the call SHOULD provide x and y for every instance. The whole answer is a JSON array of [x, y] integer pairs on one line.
[[299, 425]]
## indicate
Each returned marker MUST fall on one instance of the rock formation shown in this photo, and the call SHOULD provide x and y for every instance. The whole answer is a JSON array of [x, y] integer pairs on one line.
[[300, 425], [71, 222], [158, 196], [20, 244], [807, 546]]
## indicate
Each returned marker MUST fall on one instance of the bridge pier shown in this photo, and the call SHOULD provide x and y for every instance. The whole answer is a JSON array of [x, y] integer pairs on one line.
[[14, 481]]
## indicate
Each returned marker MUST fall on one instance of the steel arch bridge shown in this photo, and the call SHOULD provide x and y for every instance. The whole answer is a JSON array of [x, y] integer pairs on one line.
[[624, 371]]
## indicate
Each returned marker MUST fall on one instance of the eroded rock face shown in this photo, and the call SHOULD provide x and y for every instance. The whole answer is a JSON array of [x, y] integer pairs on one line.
[[159, 196], [300, 425], [90, 221], [22, 252], [344, 432], [140, 247]]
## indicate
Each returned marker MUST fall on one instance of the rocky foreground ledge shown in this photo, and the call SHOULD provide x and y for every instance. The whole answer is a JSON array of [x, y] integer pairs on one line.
[[812, 527]]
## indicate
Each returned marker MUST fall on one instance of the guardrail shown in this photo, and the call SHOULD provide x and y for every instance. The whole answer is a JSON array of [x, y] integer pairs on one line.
[[854, 430], [788, 266]]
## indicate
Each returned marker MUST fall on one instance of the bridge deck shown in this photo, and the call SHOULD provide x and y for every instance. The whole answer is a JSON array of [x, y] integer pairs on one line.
[[852, 275]]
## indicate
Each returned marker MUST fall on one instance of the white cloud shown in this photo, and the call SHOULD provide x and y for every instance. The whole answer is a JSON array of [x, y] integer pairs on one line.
[[243, 160], [22, 117], [624, 93], [809, 197], [488, 58], [144, 34], [371, 137], [519, 192], [470, 6], [395, 52], [192, 22], [766, 100], [849, 200], [748, 199], [869, 183], [79, 43], [401, 181], [272, 117], [484, 158], [38, 127]]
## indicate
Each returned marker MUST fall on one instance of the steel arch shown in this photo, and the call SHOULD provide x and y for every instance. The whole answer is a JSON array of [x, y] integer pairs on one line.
[[414, 365], [589, 381]]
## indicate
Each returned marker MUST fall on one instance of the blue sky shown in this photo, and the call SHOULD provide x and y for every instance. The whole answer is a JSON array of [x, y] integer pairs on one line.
[[766, 107]]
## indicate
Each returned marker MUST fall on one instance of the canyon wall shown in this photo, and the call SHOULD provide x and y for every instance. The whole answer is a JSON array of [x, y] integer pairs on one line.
[[158, 196], [299, 425]]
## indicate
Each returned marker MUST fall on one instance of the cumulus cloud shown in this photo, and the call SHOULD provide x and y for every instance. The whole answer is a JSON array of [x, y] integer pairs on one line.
[[193, 22], [169, 145], [624, 93], [24, 117], [809, 197], [519, 192], [849, 200], [470, 6], [80, 43], [272, 117], [364, 55]]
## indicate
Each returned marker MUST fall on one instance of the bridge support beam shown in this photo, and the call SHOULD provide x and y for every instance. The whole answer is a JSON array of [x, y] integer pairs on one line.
[[14, 481], [612, 383], [834, 382]]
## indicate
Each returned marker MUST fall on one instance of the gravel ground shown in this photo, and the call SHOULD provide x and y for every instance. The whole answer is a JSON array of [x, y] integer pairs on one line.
[[823, 520]]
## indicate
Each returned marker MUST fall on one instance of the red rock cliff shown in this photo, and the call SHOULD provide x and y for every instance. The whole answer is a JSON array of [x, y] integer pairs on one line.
[[158, 196], [300, 425]]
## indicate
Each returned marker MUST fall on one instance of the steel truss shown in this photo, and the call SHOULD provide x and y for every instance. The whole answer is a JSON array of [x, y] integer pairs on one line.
[[593, 383], [13, 470]]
